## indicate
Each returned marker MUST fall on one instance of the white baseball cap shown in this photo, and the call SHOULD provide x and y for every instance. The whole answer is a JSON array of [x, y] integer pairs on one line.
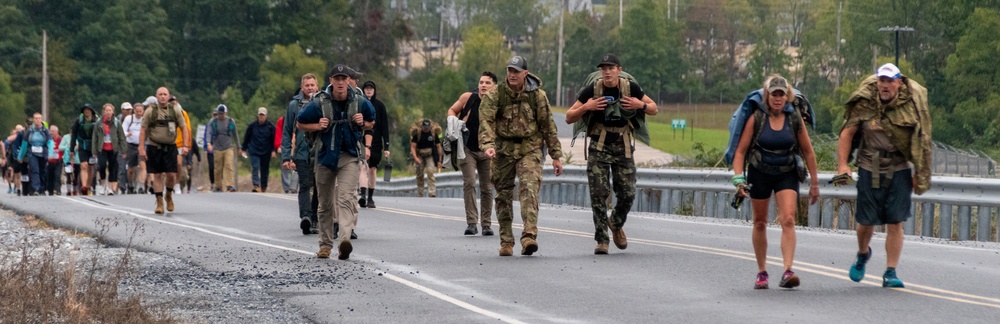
[[888, 70]]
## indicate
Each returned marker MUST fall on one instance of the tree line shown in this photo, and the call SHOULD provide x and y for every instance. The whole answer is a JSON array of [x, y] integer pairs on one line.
[[250, 53]]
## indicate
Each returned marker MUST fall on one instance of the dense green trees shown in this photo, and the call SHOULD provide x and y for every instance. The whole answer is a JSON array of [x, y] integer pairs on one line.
[[250, 53]]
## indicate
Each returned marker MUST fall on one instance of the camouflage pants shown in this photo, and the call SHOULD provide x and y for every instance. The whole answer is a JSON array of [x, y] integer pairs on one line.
[[529, 171], [603, 169], [426, 165]]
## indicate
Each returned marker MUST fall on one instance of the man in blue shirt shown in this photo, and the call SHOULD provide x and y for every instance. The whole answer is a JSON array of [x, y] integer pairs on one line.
[[336, 117]]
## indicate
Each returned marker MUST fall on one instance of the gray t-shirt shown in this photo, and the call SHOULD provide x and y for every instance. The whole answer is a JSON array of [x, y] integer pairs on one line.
[[222, 137]]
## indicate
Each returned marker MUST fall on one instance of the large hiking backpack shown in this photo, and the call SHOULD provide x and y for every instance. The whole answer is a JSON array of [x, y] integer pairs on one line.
[[325, 101], [160, 131], [636, 122], [753, 104]]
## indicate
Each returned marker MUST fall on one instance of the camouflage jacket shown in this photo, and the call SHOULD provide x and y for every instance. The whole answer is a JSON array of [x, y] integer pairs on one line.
[[517, 124], [907, 122]]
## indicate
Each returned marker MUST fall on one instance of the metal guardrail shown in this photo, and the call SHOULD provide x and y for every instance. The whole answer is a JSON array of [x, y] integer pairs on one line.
[[954, 208]]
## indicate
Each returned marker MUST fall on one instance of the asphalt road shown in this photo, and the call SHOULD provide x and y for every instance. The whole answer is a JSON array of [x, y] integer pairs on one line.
[[412, 264]]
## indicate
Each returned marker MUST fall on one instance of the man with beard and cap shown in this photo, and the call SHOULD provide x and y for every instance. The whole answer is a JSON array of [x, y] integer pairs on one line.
[[476, 162], [378, 139], [334, 121], [82, 144], [296, 154], [160, 123], [515, 121], [887, 120]]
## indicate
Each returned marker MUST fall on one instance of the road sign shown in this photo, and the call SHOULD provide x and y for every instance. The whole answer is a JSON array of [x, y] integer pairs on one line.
[[679, 123]]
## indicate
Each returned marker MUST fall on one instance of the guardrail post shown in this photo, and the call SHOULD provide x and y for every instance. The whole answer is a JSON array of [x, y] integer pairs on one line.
[[927, 222], [698, 207], [586, 196], [944, 223], [964, 222], [665, 201], [812, 213], [908, 226], [844, 212], [826, 219], [983, 223]]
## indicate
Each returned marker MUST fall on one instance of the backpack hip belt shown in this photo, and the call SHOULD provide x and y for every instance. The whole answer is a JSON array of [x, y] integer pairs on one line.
[[624, 133], [874, 165]]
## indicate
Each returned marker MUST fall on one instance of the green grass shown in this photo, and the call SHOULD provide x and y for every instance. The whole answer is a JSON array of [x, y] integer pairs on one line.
[[664, 139]]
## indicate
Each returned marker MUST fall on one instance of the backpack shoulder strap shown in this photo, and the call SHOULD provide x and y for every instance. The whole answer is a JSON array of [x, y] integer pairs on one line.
[[625, 86]]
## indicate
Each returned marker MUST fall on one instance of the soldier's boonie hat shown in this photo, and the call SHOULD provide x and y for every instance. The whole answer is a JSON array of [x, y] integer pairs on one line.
[[777, 83], [518, 63], [609, 59], [888, 70]]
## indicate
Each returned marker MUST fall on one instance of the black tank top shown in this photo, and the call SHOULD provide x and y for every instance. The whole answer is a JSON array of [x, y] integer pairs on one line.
[[776, 144], [472, 109]]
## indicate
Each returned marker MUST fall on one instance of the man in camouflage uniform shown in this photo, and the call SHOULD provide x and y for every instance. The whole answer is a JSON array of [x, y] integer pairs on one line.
[[611, 113], [888, 122], [515, 121]]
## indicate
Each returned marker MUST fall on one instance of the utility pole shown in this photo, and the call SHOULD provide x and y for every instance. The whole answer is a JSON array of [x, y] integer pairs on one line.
[[45, 77], [839, 66], [897, 29], [620, 12], [559, 60]]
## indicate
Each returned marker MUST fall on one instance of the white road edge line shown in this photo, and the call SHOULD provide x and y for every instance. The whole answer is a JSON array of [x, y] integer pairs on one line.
[[411, 284]]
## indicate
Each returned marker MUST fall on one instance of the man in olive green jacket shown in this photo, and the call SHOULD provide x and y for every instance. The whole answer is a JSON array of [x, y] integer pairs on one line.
[[888, 122]]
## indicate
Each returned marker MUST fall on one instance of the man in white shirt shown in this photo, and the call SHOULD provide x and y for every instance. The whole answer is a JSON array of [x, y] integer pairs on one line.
[[136, 173]]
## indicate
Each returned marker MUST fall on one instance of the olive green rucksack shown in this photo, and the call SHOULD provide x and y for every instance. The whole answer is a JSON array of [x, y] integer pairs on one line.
[[636, 121]]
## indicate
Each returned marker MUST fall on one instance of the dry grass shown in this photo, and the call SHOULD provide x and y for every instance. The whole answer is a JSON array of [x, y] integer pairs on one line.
[[50, 280]]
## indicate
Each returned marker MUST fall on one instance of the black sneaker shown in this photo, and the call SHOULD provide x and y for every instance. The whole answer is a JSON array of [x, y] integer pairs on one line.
[[487, 231], [370, 203], [354, 236], [471, 230], [306, 225], [362, 202]]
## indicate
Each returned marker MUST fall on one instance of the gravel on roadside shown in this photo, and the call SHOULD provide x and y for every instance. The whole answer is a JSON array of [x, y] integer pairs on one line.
[[191, 294]]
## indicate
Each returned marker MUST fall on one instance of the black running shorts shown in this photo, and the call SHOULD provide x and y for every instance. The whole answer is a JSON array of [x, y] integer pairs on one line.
[[161, 158]]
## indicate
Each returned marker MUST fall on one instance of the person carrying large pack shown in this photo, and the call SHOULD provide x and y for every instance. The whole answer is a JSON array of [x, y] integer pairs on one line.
[[768, 160], [754, 103], [612, 109]]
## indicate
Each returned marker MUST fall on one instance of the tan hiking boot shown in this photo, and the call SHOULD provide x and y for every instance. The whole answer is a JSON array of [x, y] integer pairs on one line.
[[528, 246], [169, 198], [506, 249], [618, 235], [159, 205], [345, 250], [602, 248], [324, 252]]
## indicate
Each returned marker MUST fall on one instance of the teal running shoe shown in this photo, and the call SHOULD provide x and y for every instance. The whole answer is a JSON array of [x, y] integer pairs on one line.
[[889, 279], [858, 269]]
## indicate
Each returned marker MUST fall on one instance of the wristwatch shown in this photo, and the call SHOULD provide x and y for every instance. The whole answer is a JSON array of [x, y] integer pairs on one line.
[[643, 106]]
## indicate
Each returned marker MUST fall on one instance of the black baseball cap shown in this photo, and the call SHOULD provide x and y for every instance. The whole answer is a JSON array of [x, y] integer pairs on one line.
[[518, 63], [426, 123], [609, 59], [341, 69]]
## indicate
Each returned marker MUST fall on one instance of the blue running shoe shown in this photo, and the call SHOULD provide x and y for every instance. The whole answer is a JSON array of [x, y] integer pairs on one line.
[[858, 269], [889, 279]]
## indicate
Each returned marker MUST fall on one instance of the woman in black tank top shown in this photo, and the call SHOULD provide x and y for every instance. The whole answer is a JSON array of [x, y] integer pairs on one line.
[[774, 172]]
